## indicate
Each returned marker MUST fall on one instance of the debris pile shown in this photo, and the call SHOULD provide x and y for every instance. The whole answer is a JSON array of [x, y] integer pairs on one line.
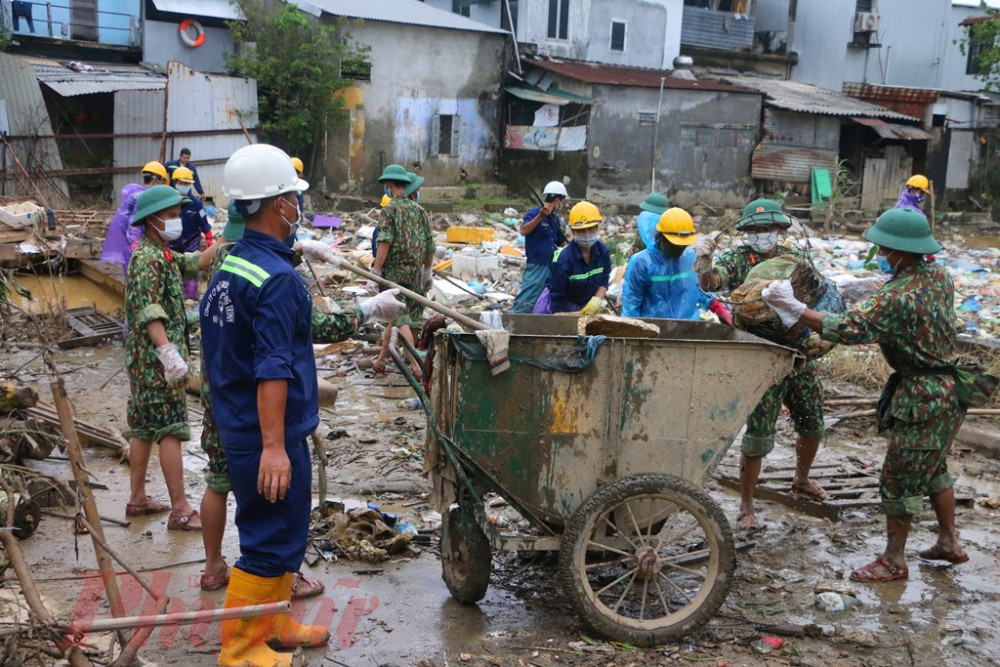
[[363, 533]]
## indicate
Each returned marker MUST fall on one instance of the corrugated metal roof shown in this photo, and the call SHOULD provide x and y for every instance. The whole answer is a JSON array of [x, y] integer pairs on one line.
[[28, 115], [894, 131], [973, 20], [104, 78], [639, 77], [805, 98], [910, 101], [552, 96], [410, 12], [792, 164], [218, 9]]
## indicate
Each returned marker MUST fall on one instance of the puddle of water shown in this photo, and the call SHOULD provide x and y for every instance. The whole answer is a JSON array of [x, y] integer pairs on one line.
[[49, 292]]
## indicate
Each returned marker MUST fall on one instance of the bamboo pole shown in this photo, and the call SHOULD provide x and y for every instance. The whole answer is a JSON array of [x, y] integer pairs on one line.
[[185, 617]]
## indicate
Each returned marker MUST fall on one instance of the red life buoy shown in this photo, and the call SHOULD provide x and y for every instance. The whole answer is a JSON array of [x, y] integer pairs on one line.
[[199, 31]]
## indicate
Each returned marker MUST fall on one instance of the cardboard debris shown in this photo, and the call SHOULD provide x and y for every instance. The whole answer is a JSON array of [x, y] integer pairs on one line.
[[616, 327]]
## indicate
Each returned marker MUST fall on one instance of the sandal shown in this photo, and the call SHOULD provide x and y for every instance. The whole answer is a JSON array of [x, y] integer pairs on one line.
[[378, 368], [304, 587], [936, 553], [880, 570], [148, 506], [175, 522], [214, 582], [819, 495]]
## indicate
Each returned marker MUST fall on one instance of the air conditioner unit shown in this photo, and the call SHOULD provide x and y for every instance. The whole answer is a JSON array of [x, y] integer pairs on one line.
[[866, 22]]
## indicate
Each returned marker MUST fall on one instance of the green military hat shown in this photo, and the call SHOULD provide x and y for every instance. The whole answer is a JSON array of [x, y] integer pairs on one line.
[[233, 231], [154, 200], [761, 213], [655, 203], [903, 229], [415, 183], [395, 172]]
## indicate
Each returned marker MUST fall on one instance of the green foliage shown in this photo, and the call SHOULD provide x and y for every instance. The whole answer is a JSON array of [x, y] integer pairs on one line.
[[985, 37], [297, 64]]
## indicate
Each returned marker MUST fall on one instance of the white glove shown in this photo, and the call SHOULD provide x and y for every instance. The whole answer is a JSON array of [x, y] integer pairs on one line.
[[175, 369], [703, 249], [781, 299], [427, 278], [319, 251], [370, 285], [383, 307]]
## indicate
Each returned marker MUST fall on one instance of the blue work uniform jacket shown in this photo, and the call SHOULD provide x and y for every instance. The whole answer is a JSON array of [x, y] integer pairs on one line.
[[541, 242], [572, 281], [256, 324], [660, 286]]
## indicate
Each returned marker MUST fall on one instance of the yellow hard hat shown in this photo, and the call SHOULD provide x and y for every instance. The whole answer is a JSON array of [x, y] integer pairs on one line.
[[385, 201], [919, 181], [297, 163], [584, 215], [183, 174], [677, 226], [155, 167]]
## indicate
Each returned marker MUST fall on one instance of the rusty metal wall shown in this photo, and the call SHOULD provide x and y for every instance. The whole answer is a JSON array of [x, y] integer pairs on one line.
[[27, 115], [801, 129], [136, 112], [209, 102]]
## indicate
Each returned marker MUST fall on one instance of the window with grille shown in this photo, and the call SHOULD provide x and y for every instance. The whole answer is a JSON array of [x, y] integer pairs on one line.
[[558, 19], [617, 35]]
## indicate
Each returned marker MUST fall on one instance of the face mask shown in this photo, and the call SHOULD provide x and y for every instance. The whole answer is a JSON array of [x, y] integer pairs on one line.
[[762, 241], [921, 198], [293, 226], [183, 189], [883, 264], [669, 249], [417, 197], [172, 228], [385, 189], [586, 240]]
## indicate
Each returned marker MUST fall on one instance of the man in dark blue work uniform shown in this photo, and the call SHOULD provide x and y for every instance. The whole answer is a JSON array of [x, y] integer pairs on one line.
[[256, 320], [542, 230], [580, 272]]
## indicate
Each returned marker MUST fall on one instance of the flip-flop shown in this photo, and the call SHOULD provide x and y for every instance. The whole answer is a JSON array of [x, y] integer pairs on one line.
[[304, 587], [870, 573], [935, 553], [147, 507], [175, 522], [812, 495], [381, 369], [214, 582]]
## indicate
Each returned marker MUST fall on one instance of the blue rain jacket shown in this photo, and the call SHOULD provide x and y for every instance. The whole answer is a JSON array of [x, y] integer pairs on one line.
[[658, 286]]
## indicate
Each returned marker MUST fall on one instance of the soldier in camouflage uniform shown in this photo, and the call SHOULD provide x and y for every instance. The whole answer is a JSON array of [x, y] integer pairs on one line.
[[405, 253], [912, 319], [156, 350], [801, 391]]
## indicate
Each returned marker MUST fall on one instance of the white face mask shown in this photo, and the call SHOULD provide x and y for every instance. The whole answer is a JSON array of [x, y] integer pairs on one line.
[[184, 189], [172, 228], [585, 240], [762, 241]]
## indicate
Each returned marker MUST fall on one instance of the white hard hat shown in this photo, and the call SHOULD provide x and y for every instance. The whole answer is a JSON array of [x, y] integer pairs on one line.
[[259, 171], [555, 188]]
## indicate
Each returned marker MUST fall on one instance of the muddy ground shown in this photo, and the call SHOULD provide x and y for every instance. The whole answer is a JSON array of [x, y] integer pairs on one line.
[[400, 613]]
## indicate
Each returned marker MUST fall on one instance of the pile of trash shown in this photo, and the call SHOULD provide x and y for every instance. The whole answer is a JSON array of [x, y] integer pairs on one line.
[[364, 533]]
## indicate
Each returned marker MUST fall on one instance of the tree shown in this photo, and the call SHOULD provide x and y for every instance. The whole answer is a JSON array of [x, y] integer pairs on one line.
[[297, 63], [982, 43]]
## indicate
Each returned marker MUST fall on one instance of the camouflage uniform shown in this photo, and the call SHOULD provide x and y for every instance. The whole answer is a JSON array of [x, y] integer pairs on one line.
[[407, 230], [325, 329], [912, 319], [153, 291], [801, 391]]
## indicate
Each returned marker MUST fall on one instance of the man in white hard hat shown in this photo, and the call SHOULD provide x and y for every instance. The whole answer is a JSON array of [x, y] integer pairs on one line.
[[256, 322], [542, 230]]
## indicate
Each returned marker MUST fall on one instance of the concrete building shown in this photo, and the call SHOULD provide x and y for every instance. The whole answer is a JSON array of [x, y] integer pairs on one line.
[[428, 99], [612, 136]]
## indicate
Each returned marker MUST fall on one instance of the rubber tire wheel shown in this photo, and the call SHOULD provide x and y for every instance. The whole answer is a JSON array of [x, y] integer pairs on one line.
[[693, 501], [466, 558]]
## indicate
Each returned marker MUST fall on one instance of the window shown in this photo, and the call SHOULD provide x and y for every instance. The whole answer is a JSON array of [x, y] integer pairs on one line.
[[617, 35], [558, 19], [974, 55], [459, 8], [511, 25], [357, 70], [647, 118], [445, 135]]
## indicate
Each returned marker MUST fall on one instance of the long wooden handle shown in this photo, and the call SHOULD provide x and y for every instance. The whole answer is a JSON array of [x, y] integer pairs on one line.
[[422, 300]]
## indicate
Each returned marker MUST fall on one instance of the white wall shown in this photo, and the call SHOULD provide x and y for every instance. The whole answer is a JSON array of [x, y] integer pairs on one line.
[[953, 71], [488, 12]]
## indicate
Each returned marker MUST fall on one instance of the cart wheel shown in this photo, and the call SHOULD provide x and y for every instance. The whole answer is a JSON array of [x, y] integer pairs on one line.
[[466, 560], [647, 559]]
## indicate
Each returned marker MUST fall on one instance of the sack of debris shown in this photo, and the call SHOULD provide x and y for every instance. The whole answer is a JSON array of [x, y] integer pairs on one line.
[[751, 314]]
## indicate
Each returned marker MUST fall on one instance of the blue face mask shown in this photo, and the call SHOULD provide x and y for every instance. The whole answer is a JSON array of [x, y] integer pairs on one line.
[[386, 190], [921, 198], [417, 198], [883, 264]]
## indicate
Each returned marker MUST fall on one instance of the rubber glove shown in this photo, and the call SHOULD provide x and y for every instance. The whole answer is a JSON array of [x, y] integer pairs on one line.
[[595, 304], [780, 296], [319, 251], [175, 369], [427, 278], [382, 307], [208, 240], [371, 286], [703, 249], [721, 312]]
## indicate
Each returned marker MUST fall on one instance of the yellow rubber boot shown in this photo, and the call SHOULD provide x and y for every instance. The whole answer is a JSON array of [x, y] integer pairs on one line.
[[288, 633], [244, 640]]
